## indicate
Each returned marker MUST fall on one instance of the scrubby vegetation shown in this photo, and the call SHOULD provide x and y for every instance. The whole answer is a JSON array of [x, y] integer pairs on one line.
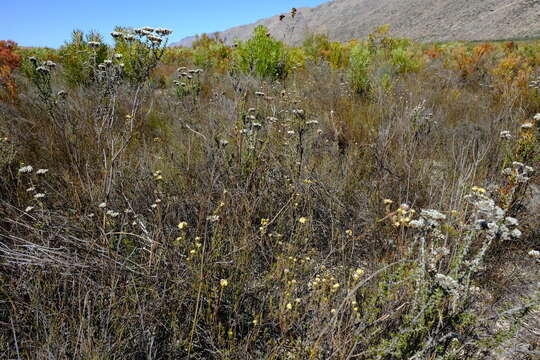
[[369, 200]]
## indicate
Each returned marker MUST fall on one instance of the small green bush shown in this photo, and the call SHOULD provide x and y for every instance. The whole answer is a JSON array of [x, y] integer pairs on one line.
[[262, 55], [360, 60], [79, 59]]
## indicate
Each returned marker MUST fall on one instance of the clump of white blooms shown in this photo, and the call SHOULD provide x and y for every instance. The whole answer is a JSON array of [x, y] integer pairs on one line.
[[491, 219], [26, 169], [163, 32], [39, 196], [519, 171], [505, 135], [103, 205], [42, 70], [94, 44], [535, 254], [112, 213], [527, 126], [537, 117]]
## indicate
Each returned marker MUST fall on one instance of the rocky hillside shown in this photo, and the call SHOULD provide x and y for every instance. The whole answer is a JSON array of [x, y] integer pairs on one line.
[[434, 20]]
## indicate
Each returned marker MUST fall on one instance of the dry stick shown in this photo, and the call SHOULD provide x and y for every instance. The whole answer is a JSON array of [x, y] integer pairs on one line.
[[15, 338]]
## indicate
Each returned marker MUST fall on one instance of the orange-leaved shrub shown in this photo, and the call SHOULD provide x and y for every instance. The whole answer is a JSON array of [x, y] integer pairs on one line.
[[9, 61]]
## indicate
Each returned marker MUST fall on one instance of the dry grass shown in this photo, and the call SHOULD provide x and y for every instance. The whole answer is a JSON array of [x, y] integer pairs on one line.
[[234, 226]]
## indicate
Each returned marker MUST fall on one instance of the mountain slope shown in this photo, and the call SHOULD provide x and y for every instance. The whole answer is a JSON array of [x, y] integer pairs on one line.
[[424, 20]]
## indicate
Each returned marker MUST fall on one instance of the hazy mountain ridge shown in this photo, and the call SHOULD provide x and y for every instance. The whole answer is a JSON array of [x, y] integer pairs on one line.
[[437, 20]]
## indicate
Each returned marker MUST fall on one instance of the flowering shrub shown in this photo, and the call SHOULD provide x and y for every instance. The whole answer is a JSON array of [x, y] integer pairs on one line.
[[80, 57], [140, 50]]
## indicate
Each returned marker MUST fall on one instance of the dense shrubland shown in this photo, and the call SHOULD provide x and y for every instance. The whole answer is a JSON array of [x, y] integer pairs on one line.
[[368, 200]]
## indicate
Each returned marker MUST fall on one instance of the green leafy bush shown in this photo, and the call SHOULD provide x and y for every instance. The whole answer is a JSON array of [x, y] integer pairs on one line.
[[79, 58], [139, 50], [359, 63], [262, 55]]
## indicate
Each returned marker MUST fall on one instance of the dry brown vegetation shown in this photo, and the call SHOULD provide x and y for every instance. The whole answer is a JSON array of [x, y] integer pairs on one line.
[[225, 214]]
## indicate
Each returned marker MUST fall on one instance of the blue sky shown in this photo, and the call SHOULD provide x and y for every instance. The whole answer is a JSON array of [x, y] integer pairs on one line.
[[50, 22]]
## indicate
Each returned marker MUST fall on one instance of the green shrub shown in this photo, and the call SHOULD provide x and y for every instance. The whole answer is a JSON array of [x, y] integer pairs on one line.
[[262, 55], [139, 50], [404, 61], [79, 58], [359, 62]]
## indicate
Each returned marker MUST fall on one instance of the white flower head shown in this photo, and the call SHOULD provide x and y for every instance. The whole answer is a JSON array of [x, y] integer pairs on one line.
[[512, 221], [29, 208], [103, 205], [39, 196], [516, 234], [42, 171], [112, 213], [505, 135], [417, 224], [535, 254], [26, 169], [433, 214]]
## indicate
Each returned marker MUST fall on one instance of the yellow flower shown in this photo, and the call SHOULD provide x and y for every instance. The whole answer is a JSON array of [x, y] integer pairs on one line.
[[478, 189], [182, 225], [357, 274], [303, 220], [223, 282], [349, 232], [388, 202], [333, 311], [289, 306]]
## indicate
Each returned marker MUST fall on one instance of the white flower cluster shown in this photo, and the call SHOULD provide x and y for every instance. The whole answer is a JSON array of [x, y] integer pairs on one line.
[[519, 171], [535, 84], [491, 218], [112, 213], [428, 218], [505, 135], [26, 169], [149, 33]]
